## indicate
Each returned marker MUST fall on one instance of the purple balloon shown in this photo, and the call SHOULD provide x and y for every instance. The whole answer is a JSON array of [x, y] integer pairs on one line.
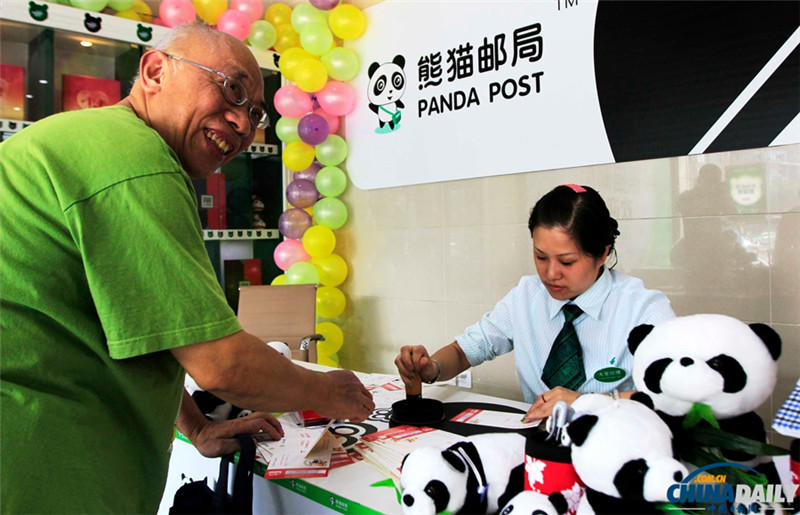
[[313, 129], [301, 193], [294, 222], [324, 5], [309, 174]]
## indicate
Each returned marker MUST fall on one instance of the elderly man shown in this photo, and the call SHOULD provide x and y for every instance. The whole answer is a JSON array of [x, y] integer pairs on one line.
[[108, 295]]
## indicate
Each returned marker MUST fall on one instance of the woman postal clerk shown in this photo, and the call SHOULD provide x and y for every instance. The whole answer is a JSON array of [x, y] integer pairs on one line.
[[569, 323]]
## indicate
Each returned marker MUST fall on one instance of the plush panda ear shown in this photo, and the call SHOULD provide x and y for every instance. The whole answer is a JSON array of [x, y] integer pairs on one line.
[[404, 461], [372, 68], [770, 339], [454, 460], [644, 399], [636, 336], [578, 429], [399, 60], [559, 502]]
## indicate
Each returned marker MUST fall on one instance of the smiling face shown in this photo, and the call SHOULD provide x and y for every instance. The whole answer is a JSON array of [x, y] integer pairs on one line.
[[564, 268], [191, 112]]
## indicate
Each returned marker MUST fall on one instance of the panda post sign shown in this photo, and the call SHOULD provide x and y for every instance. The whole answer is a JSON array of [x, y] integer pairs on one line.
[[458, 90]]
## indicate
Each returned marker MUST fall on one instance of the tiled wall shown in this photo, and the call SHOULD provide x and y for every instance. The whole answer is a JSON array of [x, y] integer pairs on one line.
[[426, 261]]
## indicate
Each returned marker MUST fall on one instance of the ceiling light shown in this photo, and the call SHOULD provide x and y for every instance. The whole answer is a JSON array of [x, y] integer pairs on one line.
[[85, 43]]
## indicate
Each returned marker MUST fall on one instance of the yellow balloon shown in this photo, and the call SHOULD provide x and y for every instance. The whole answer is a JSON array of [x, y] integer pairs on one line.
[[139, 12], [210, 10], [310, 75], [330, 302], [129, 14], [334, 338], [278, 14], [279, 280], [347, 21], [328, 361], [289, 60], [319, 241], [332, 269], [298, 155], [286, 38]]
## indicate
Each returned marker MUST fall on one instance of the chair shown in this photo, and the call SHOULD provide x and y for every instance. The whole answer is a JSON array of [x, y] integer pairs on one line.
[[285, 313]]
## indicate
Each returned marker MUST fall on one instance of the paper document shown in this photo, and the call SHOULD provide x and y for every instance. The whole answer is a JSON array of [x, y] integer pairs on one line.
[[493, 418], [302, 452]]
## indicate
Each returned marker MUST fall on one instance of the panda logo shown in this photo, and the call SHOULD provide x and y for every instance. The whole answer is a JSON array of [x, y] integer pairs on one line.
[[387, 83]]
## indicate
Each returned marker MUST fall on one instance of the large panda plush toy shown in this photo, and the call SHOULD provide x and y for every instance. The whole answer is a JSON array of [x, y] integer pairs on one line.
[[622, 451], [709, 363], [479, 474]]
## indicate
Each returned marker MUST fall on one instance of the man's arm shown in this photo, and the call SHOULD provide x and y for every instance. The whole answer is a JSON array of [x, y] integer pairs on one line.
[[244, 371]]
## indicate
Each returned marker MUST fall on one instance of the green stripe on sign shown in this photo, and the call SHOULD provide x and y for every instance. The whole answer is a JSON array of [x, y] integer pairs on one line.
[[324, 497]]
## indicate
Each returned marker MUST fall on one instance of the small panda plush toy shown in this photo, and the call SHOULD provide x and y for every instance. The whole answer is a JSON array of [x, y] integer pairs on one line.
[[529, 502], [622, 451], [479, 474], [709, 365]]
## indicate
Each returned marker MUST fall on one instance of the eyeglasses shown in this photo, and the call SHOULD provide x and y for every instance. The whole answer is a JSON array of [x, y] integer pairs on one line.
[[235, 93]]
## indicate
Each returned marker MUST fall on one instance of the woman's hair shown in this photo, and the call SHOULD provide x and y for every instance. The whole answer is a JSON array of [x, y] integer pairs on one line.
[[581, 212]]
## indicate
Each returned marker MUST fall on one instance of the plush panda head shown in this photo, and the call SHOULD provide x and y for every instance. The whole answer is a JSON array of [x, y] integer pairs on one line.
[[624, 450], [387, 81], [709, 359], [535, 503], [432, 481]]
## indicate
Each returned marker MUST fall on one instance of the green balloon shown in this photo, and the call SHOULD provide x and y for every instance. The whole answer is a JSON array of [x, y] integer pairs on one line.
[[331, 181], [90, 5], [286, 129], [304, 14], [332, 151], [262, 35], [316, 38], [302, 272], [330, 212], [341, 63], [121, 5]]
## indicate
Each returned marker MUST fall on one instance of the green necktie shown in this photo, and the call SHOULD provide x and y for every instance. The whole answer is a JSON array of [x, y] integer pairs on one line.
[[564, 366]]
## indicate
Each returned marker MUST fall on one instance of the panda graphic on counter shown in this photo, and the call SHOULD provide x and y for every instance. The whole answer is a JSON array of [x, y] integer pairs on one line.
[[387, 83]]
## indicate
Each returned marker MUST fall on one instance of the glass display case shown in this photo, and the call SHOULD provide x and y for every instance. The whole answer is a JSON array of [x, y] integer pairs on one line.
[[55, 57]]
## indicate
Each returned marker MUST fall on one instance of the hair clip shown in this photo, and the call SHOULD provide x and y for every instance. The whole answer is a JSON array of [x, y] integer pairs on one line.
[[575, 188]]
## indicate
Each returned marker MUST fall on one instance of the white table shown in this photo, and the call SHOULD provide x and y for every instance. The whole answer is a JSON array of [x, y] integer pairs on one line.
[[345, 490]]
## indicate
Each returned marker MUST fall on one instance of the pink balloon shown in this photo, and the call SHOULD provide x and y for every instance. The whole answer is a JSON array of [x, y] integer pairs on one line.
[[289, 252], [333, 121], [176, 12], [254, 9], [235, 23], [337, 98], [291, 101], [309, 174]]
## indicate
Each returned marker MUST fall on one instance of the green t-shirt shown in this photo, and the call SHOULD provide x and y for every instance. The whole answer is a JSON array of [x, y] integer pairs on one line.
[[103, 269]]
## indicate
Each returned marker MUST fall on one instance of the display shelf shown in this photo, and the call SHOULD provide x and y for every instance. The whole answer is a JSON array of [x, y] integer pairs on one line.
[[240, 234], [263, 149], [13, 125], [100, 25]]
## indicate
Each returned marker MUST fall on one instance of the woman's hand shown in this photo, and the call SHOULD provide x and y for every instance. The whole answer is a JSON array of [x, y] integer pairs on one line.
[[412, 360], [213, 439], [543, 407]]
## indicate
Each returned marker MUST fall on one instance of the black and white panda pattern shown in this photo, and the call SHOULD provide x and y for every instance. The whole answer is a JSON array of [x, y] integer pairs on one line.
[[477, 475], [387, 83], [535, 503], [713, 360], [623, 453]]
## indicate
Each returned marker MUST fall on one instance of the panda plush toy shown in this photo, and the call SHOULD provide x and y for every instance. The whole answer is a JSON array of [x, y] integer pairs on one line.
[[622, 451], [529, 502], [479, 474], [709, 364]]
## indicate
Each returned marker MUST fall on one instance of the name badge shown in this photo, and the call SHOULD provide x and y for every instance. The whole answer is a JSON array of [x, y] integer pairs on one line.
[[610, 375]]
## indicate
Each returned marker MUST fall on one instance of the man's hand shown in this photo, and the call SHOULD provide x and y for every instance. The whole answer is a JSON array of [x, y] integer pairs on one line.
[[213, 439], [348, 398]]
